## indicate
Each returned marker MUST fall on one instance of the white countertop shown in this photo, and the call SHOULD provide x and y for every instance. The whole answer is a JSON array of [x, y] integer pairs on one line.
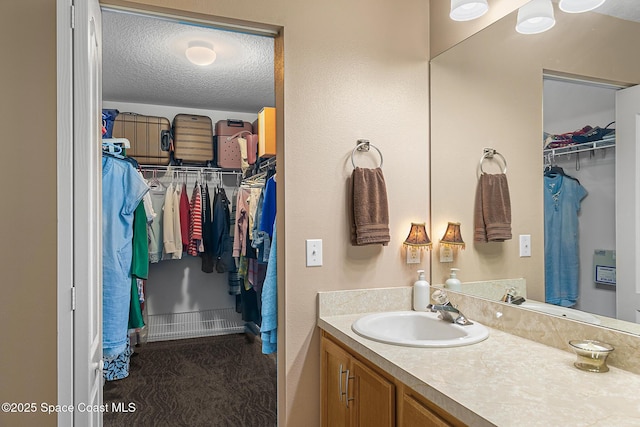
[[504, 381]]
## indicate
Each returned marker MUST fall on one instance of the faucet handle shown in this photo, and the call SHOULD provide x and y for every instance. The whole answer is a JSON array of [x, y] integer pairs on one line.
[[509, 294], [440, 297]]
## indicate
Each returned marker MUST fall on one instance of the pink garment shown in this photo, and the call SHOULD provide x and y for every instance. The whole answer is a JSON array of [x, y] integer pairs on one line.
[[185, 216]]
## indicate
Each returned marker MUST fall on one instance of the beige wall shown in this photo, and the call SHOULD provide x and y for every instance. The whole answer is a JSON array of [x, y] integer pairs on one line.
[[28, 358], [352, 69], [487, 92]]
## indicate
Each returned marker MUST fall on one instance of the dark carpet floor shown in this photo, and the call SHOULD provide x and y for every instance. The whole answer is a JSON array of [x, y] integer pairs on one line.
[[222, 381]]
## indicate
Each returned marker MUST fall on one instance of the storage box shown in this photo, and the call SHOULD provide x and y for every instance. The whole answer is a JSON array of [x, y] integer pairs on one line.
[[228, 154], [267, 132]]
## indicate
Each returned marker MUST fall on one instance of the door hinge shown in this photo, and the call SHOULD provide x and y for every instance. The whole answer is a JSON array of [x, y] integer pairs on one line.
[[73, 298], [73, 17]]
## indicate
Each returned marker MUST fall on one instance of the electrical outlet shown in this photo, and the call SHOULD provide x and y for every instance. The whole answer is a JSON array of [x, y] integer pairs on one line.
[[314, 252], [446, 254], [413, 255], [525, 245]]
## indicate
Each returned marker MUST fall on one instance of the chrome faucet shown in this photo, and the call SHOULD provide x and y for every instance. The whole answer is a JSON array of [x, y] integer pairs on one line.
[[449, 313], [510, 297]]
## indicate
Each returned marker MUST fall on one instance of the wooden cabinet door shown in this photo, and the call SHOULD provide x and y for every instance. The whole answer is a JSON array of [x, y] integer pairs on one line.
[[414, 413], [373, 403], [353, 394], [334, 365]]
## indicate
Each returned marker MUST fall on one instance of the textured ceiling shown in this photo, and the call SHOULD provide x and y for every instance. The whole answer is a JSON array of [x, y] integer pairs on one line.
[[144, 62]]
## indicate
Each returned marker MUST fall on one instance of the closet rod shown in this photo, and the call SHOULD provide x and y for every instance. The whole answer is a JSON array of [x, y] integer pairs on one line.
[[189, 169], [270, 161]]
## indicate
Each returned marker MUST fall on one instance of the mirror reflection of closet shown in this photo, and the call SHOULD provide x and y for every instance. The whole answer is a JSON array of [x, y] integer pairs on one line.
[[570, 105]]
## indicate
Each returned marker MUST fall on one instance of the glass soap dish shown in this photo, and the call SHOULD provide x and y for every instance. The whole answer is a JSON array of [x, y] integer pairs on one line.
[[592, 355]]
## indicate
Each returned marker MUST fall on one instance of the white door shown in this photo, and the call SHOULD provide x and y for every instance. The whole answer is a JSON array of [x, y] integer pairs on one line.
[[628, 204], [87, 196]]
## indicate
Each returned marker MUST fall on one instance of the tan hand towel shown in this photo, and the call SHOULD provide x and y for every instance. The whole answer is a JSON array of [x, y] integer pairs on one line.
[[492, 214], [370, 208]]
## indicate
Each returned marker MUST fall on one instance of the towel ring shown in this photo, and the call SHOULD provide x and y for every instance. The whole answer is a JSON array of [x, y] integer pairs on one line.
[[364, 145], [489, 153]]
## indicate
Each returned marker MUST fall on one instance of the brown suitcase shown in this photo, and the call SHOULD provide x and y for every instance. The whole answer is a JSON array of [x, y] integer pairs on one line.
[[228, 150], [193, 139], [145, 133]]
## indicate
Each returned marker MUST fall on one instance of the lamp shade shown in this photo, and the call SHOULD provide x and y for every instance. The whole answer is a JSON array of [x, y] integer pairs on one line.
[[466, 10], [579, 6], [200, 53], [452, 237], [418, 236], [535, 17]]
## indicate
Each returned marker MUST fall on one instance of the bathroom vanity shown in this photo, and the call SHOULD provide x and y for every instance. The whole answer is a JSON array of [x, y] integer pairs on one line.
[[504, 380], [356, 392]]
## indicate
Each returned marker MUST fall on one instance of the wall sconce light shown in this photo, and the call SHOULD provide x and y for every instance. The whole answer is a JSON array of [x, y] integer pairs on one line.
[[200, 53], [535, 17], [579, 6], [417, 240], [450, 242], [466, 10]]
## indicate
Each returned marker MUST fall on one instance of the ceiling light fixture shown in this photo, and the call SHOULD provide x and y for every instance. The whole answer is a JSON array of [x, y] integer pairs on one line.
[[579, 6], [466, 10], [535, 17], [200, 53]]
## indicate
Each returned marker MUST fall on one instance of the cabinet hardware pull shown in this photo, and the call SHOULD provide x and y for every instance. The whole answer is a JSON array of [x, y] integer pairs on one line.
[[346, 389], [340, 393]]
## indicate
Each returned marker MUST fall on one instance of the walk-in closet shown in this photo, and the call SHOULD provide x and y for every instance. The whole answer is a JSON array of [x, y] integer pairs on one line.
[[579, 151], [203, 348]]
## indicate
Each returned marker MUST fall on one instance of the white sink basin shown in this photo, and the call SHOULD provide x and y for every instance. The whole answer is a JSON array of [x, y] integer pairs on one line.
[[557, 310], [417, 329]]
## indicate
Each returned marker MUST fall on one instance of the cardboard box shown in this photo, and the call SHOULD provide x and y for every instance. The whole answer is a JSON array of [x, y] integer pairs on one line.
[[267, 132]]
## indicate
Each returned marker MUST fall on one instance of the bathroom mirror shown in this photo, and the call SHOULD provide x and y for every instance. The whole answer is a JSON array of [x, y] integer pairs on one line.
[[487, 92]]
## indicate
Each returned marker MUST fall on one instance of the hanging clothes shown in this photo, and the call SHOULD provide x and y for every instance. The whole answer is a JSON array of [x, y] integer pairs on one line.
[[261, 240], [148, 205], [185, 215], [254, 216], [157, 193], [139, 265], [221, 228], [208, 256], [122, 190], [269, 206], [562, 198], [172, 237], [242, 222], [269, 326], [195, 224]]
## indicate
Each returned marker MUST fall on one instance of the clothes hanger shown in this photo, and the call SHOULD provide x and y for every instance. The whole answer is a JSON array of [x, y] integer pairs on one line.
[[154, 182], [112, 150], [555, 170]]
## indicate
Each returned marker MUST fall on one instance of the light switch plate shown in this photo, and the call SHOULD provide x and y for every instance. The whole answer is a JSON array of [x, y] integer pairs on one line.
[[314, 252], [525, 245]]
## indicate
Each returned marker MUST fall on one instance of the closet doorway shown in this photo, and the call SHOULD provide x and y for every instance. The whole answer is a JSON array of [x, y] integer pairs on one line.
[[146, 106], [570, 109], [146, 72]]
